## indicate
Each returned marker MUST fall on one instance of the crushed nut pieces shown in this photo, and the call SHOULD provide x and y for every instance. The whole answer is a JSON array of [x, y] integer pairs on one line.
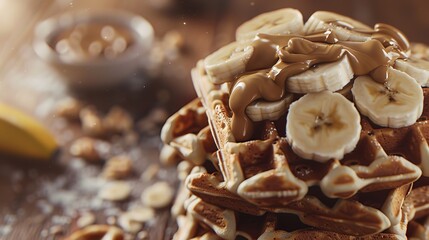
[[104, 232], [117, 167], [158, 195], [69, 108], [86, 148], [92, 124], [115, 191], [118, 120]]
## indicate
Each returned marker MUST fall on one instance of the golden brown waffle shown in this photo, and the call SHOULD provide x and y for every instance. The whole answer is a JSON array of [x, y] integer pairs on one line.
[[314, 208], [208, 221], [367, 168], [205, 220]]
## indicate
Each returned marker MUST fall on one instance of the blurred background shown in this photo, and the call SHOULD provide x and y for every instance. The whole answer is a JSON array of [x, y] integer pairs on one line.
[[44, 201]]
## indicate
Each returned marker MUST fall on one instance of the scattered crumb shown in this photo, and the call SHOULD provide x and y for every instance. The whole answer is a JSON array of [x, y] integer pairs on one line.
[[86, 148], [85, 219], [150, 172], [158, 195], [56, 230], [115, 191], [117, 167], [169, 155], [118, 120], [143, 235], [129, 224], [92, 124], [183, 170], [141, 214], [68, 108]]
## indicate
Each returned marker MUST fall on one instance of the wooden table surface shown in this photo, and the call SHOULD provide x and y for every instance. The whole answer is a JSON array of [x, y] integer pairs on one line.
[[30, 192]]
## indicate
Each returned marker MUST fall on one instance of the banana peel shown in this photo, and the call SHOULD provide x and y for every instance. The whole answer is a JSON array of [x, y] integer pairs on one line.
[[23, 136]]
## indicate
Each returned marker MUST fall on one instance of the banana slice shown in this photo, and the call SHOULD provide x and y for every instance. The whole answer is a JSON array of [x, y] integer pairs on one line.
[[323, 20], [322, 126], [416, 68], [397, 103], [328, 76], [227, 62], [282, 21], [23, 136], [263, 110]]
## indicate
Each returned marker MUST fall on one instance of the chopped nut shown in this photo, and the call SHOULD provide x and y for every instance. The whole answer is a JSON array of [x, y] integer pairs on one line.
[[91, 122], [183, 170], [85, 219], [55, 230], [129, 224], [115, 191], [173, 41], [169, 156], [117, 167], [85, 148], [141, 214], [158, 195], [111, 220], [150, 172], [68, 108], [178, 205], [143, 235], [118, 120], [104, 232]]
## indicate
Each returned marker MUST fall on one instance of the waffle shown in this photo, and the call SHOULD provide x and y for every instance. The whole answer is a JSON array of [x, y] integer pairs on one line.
[[250, 172], [208, 221], [213, 187]]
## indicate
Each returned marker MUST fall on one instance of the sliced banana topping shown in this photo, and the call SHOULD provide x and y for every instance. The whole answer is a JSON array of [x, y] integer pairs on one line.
[[329, 76], [416, 68], [322, 126], [396, 103], [282, 21], [341, 25], [227, 62], [263, 110]]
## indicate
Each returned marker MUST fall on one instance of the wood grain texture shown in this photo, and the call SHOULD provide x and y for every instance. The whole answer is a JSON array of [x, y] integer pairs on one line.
[[25, 81]]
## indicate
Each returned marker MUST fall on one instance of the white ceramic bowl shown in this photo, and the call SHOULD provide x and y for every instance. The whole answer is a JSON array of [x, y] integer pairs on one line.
[[101, 71]]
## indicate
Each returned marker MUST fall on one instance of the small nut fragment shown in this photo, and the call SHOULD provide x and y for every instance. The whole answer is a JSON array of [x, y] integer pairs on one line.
[[141, 214], [169, 156], [97, 232], [68, 108], [115, 191], [91, 122], [143, 235], [183, 170], [85, 219], [117, 167], [118, 120], [129, 224], [173, 39], [55, 230], [158, 195], [150, 172], [85, 148]]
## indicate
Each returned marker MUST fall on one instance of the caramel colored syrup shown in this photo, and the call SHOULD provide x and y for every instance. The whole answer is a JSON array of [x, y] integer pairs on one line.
[[276, 58]]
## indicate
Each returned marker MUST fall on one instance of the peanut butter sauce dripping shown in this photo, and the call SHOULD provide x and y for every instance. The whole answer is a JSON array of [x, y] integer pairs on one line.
[[294, 54]]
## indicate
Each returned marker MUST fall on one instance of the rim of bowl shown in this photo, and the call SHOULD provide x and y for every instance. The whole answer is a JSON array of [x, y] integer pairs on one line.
[[141, 30]]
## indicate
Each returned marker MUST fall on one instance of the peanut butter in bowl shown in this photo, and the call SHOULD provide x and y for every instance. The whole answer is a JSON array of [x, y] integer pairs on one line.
[[92, 49]]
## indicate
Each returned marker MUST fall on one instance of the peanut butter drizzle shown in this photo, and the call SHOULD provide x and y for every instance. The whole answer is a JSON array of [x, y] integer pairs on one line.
[[294, 54]]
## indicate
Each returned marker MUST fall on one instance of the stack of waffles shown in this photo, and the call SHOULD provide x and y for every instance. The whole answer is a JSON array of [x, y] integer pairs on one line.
[[315, 130]]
